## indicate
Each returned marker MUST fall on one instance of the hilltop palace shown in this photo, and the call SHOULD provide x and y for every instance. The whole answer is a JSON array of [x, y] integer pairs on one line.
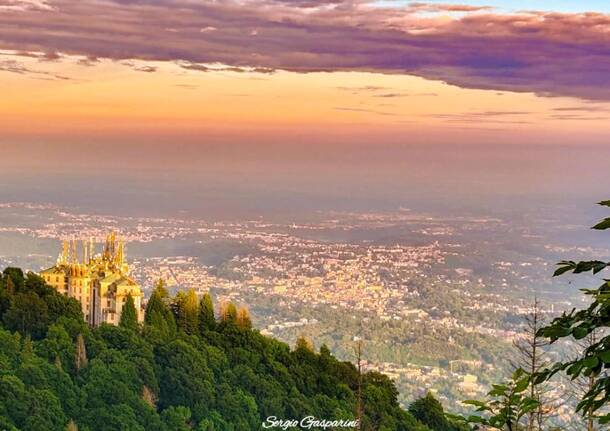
[[100, 282]]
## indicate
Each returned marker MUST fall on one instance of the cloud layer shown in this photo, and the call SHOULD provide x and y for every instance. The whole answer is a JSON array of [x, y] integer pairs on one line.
[[546, 53]]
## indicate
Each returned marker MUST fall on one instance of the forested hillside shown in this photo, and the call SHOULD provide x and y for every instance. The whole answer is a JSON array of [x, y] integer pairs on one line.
[[183, 369]]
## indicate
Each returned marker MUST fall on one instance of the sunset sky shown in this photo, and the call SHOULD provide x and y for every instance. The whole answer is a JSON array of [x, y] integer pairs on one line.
[[322, 71], [296, 105]]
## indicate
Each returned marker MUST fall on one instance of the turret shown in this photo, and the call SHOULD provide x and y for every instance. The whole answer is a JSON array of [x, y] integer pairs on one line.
[[73, 253], [113, 244], [85, 253], [64, 253], [119, 258], [91, 249]]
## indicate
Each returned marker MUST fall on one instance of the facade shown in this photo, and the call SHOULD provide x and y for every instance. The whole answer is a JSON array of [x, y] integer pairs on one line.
[[100, 282]]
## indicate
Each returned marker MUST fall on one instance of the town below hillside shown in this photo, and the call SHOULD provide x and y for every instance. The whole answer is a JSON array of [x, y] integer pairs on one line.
[[437, 301]]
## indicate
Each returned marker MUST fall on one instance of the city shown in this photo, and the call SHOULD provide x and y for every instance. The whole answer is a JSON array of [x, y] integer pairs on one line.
[[405, 298]]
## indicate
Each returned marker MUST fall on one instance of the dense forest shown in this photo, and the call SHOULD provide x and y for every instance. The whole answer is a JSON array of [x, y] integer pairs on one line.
[[184, 368]]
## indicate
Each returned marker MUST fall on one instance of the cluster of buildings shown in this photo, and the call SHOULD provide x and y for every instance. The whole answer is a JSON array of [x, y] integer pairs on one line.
[[347, 275], [426, 377], [99, 281]]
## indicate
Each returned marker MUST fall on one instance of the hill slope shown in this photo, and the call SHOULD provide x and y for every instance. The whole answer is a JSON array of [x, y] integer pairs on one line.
[[181, 370]]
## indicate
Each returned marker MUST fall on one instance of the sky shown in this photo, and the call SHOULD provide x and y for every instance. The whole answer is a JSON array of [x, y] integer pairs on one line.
[[261, 85], [520, 5], [318, 70]]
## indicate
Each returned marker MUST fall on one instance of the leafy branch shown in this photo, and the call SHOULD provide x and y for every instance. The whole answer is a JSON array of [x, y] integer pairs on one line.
[[506, 404]]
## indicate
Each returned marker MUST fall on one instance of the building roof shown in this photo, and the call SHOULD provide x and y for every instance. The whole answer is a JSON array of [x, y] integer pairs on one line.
[[54, 270]]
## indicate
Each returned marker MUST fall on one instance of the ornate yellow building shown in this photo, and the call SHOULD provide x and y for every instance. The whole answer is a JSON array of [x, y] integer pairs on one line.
[[100, 282]]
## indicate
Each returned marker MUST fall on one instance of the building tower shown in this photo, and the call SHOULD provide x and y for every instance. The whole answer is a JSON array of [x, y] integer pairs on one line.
[[100, 283]]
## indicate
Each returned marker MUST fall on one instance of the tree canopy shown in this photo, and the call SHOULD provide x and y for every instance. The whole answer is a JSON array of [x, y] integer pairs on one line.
[[129, 315], [180, 370]]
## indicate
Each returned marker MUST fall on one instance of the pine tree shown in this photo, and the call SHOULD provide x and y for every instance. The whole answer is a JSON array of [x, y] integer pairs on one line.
[[158, 314], [129, 315], [186, 309], [243, 318], [191, 312], [16, 277], [532, 358], [161, 289], [228, 312], [207, 321], [304, 343], [10, 286], [154, 305]]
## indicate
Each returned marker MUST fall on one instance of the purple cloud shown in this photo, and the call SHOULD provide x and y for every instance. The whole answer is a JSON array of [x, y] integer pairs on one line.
[[13, 66], [552, 54]]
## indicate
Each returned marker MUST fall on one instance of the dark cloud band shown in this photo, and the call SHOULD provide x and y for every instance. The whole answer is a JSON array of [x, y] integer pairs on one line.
[[546, 53]]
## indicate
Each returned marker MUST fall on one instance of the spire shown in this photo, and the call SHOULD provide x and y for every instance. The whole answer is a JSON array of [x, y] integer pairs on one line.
[[107, 248], [85, 253], [91, 248], [112, 244], [64, 253], [73, 253], [120, 256]]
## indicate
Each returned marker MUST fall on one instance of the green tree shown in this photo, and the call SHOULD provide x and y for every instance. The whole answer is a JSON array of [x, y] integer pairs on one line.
[[186, 310], [129, 315], [28, 314], [161, 289], [507, 406], [16, 277], [7, 291], [158, 314], [13, 399], [45, 412], [177, 418], [9, 285], [593, 361], [207, 321], [430, 412]]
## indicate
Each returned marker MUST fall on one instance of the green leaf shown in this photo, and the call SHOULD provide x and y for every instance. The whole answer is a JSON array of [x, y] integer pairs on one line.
[[604, 419], [580, 332], [605, 357], [604, 203], [595, 265], [522, 385], [564, 266], [475, 403], [590, 362], [476, 419], [599, 266], [574, 369], [604, 224], [518, 373]]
